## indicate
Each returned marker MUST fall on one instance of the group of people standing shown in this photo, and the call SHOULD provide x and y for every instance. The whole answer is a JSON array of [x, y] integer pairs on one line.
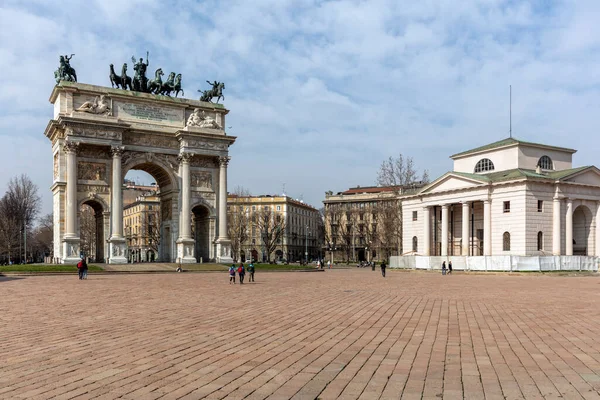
[[241, 272], [82, 268]]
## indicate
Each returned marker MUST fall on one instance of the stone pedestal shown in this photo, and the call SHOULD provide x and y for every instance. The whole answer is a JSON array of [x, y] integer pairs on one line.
[[185, 251], [117, 251], [70, 251], [224, 251]]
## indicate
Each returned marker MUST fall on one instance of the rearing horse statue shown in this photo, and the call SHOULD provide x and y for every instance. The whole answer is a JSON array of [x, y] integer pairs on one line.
[[155, 84]]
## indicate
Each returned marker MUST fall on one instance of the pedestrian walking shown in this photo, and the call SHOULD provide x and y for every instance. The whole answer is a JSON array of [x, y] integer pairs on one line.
[[80, 269], [251, 272], [318, 264], [241, 273], [383, 267], [84, 268], [449, 267], [232, 274], [444, 268]]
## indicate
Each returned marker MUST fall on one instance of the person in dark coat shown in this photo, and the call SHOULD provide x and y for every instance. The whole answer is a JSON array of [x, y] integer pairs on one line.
[[449, 267], [383, 267], [251, 272]]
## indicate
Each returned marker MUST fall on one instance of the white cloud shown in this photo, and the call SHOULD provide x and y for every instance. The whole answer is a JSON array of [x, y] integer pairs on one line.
[[323, 90]]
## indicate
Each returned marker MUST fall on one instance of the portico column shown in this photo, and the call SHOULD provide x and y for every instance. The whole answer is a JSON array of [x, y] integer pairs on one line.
[[445, 230], [487, 228], [223, 242], [465, 229], [118, 247], [597, 229], [426, 231], [185, 243], [70, 242], [569, 228], [556, 226]]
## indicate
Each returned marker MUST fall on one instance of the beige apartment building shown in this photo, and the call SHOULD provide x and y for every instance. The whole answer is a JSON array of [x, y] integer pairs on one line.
[[276, 228], [141, 222], [365, 223]]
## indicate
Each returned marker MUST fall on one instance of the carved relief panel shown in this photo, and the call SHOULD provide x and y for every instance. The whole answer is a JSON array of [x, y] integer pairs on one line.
[[91, 171], [202, 179]]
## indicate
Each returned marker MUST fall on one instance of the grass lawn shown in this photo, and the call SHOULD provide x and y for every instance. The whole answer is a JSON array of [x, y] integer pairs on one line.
[[45, 268]]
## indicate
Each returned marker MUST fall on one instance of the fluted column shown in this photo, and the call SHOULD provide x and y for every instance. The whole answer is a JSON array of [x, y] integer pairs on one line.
[[185, 231], [118, 246], [569, 228], [70, 149], [465, 229], [445, 230], [117, 196], [223, 161], [487, 228], [426, 231], [556, 226], [597, 254]]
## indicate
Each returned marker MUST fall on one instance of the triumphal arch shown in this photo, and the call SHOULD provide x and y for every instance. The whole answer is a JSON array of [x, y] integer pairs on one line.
[[98, 134]]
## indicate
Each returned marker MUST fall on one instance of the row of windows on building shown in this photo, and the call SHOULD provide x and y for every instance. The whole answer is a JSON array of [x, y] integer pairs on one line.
[[505, 242], [486, 164]]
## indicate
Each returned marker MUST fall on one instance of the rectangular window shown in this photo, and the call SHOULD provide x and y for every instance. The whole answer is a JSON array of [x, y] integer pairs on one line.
[[253, 208], [507, 206], [278, 208], [414, 215], [540, 205]]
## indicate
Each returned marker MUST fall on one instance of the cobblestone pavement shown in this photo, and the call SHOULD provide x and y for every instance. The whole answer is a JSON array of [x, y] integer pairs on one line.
[[344, 334]]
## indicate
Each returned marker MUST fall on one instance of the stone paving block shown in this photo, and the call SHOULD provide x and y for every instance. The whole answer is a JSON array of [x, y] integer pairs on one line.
[[339, 334]]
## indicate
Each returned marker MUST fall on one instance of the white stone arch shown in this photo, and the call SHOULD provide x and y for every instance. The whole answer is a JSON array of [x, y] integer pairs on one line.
[[102, 224], [583, 232], [154, 165], [204, 222]]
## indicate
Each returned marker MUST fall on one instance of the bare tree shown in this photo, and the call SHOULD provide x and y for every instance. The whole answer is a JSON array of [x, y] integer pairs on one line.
[[397, 173], [237, 221], [9, 231], [271, 227], [21, 205], [43, 237]]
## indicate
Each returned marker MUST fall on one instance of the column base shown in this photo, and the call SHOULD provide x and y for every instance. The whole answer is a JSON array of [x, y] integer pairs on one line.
[[185, 251], [224, 251], [118, 249], [70, 250]]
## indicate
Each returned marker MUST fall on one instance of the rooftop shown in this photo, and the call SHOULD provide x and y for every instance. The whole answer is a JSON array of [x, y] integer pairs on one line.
[[509, 142]]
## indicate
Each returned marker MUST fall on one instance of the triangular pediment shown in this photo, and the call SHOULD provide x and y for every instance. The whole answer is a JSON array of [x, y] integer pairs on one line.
[[589, 176], [452, 181]]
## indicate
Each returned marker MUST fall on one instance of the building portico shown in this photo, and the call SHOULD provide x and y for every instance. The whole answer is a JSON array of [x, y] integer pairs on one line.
[[532, 209]]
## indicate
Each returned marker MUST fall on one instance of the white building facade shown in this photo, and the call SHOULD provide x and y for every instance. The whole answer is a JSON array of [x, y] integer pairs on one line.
[[508, 198]]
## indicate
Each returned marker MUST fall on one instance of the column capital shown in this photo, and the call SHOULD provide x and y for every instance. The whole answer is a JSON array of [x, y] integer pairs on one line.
[[445, 206], [465, 203], [70, 147], [184, 157], [117, 151], [223, 161]]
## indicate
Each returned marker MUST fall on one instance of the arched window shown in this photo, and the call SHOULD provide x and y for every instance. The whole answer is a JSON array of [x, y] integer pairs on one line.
[[415, 243], [545, 162], [484, 165], [540, 241], [506, 241]]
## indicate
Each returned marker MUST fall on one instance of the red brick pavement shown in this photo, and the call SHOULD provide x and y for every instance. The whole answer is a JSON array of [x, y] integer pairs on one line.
[[347, 334]]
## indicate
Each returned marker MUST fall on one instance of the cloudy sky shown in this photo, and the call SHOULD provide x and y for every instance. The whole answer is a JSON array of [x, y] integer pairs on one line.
[[321, 92]]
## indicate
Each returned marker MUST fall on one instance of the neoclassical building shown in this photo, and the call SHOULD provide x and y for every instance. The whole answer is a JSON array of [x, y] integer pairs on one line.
[[509, 197]]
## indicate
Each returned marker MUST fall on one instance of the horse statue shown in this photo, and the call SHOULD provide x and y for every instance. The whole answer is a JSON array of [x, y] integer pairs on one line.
[[167, 87], [177, 86], [65, 72], [155, 84], [126, 80], [114, 79], [216, 91]]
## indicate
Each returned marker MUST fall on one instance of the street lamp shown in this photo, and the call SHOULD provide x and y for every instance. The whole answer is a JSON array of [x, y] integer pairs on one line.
[[331, 249], [306, 245]]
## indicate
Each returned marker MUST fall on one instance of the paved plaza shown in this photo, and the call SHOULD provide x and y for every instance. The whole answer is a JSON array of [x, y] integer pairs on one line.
[[344, 334]]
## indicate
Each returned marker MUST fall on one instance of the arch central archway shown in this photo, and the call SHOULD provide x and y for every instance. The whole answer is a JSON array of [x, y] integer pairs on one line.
[[152, 225], [201, 232], [582, 231], [92, 220]]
